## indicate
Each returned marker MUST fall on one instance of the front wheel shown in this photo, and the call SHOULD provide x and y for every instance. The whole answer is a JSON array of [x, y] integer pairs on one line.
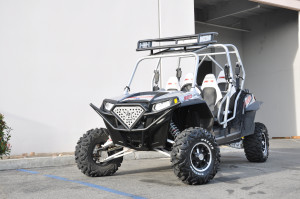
[[256, 146], [195, 156], [89, 156]]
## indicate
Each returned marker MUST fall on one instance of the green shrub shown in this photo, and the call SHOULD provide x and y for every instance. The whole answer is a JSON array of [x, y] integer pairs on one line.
[[5, 147]]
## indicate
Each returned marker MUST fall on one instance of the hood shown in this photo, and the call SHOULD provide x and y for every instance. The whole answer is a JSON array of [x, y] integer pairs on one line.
[[153, 96], [140, 97]]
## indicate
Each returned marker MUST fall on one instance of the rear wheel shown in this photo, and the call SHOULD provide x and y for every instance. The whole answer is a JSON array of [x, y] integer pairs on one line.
[[256, 146], [90, 158], [195, 156]]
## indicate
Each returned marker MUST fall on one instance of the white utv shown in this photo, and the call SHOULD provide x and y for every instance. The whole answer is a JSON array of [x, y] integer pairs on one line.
[[185, 121]]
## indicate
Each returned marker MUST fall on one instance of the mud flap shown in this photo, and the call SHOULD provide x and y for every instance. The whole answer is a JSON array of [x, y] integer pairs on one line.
[[248, 124]]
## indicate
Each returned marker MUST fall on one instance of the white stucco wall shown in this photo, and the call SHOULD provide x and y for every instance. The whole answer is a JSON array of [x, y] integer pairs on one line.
[[58, 56], [271, 57], [296, 68]]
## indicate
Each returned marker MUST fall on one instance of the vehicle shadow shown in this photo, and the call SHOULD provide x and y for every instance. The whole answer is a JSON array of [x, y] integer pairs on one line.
[[234, 168], [145, 170]]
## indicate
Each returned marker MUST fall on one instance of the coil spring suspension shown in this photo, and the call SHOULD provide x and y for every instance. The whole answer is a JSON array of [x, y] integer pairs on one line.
[[174, 130]]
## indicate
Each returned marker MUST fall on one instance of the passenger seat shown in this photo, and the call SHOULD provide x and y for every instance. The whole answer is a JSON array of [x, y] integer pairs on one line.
[[172, 84]]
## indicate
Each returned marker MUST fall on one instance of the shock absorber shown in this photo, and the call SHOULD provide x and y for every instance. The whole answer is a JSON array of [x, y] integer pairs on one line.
[[173, 129]]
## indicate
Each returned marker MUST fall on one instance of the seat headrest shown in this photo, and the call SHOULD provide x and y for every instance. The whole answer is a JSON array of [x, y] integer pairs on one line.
[[172, 84]]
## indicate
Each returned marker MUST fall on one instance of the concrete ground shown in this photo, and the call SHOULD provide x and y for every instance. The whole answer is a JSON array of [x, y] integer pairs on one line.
[[279, 177]]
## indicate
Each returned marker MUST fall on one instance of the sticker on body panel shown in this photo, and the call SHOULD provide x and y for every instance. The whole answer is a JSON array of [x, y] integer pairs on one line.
[[187, 97], [249, 99]]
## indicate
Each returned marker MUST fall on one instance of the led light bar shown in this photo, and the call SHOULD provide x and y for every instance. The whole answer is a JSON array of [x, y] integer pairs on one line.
[[177, 42], [145, 44]]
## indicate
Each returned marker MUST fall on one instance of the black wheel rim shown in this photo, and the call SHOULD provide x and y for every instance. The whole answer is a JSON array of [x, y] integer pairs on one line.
[[264, 144], [201, 157]]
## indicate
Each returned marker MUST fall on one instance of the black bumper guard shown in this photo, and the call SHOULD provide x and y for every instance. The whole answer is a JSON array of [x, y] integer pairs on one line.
[[102, 114]]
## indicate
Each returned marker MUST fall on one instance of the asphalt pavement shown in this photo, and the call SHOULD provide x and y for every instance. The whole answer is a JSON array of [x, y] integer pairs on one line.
[[279, 177]]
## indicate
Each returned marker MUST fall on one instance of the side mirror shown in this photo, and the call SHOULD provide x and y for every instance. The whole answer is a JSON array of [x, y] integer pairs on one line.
[[178, 73], [155, 88], [226, 71], [237, 69], [156, 76]]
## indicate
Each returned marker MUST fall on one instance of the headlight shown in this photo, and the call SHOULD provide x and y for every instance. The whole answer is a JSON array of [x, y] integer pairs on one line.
[[161, 105], [108, 106]]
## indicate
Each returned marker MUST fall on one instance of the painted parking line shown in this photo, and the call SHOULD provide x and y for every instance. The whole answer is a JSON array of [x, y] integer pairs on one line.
[[27, 171], [86, 184]]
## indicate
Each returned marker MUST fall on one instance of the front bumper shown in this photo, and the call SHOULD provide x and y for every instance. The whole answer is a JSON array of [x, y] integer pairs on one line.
[[149, 132]]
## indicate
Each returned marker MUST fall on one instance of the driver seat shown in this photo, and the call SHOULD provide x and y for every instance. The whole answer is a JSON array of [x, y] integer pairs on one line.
[[211, 91], [188, 82]]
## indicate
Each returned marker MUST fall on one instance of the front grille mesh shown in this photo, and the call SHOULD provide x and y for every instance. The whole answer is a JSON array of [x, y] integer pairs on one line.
[[128, 114]]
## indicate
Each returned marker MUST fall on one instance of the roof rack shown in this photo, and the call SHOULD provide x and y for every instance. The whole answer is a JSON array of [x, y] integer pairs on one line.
[[185, 41]]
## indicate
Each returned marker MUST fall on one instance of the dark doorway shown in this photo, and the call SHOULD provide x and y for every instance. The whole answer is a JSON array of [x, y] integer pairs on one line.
[[203, 70]]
